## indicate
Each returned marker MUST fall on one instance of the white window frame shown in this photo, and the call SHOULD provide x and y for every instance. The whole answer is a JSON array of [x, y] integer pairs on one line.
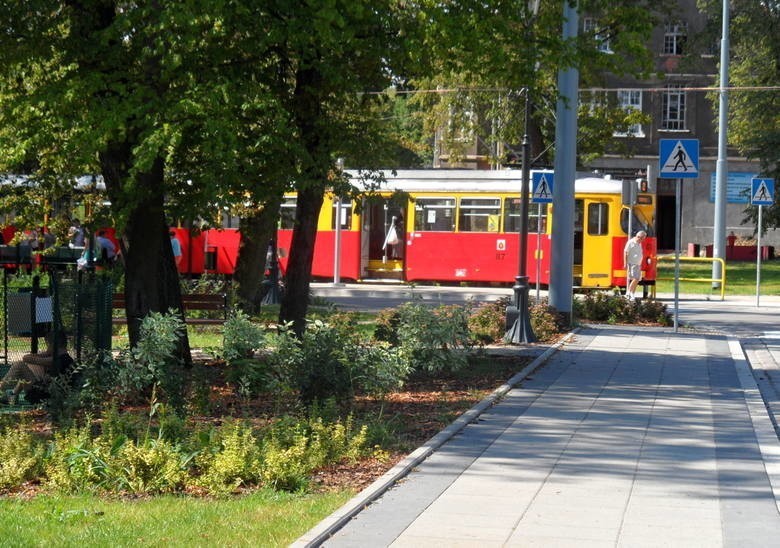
[[673, 102], [590, 26], [630, 99], [674, 37]]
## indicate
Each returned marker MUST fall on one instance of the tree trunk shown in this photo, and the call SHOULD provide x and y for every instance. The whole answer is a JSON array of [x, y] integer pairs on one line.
[[295, 302], [257, 230], [151, 278]]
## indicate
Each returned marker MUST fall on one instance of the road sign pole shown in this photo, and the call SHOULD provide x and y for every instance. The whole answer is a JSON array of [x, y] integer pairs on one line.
[[677, 216], [758, 257], [538, 248]]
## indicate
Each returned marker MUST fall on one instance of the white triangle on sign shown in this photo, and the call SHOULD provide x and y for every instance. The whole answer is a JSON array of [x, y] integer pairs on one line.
[[542, 190], [762, 193], [679, 160]]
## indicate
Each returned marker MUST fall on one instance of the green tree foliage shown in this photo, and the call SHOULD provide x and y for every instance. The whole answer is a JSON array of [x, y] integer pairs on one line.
[[754, 70], [485, 55]]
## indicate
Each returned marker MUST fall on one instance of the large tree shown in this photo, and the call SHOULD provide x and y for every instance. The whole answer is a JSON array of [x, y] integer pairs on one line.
[[127, 90], [487, 56], [754, 73]]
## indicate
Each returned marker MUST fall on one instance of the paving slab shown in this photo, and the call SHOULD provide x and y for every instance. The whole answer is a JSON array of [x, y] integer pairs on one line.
[[625, 437]]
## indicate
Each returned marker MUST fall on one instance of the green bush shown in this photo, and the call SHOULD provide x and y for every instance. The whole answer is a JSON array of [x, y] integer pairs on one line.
[[241, 337], [231, 460], [487, 321], [546, 322], [331, 361], [76, 462], [433, 339], [603, 306], [21, 457], [152, 467]]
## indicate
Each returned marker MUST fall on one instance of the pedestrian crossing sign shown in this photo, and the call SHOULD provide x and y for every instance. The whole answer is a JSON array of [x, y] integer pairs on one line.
[[543, 187], [762, 191], [679, 158]]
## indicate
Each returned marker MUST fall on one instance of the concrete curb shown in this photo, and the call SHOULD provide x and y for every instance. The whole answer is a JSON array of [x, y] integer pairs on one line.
[[327, 527], [759, 415]]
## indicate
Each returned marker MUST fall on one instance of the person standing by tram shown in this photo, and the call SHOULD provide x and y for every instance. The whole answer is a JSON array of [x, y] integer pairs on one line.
[[633, 254]]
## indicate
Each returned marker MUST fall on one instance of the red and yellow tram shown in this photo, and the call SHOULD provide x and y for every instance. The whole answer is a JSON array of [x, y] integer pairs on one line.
[[454, 226]]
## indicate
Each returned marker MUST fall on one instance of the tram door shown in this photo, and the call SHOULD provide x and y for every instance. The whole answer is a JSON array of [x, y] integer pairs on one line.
[[383, 240], [579, 224]]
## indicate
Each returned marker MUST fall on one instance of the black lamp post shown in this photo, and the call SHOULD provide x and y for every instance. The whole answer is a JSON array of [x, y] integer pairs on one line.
[[518, 319]]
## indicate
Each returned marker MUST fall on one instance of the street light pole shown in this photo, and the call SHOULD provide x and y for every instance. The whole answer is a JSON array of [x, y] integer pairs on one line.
[[518, 318]]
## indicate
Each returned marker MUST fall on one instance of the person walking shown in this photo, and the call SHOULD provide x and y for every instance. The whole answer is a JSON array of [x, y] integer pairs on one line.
[[632, 261], [176, 247]]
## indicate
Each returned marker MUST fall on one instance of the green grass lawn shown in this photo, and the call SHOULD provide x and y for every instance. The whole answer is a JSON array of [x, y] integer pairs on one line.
[[740, 278], [264, 518]]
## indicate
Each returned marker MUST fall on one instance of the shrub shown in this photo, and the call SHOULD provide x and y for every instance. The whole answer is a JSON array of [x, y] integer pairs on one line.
[[241, 338], [331, 361], [232, 460], [21, 457], [387, 322], [433, 339], [546, 322], [602, 306], [75, 462], [487, 322], [153, 361], [155, 466]]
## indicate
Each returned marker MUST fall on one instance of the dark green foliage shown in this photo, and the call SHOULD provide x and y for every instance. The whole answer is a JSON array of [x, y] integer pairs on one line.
[[547, 323], [487, 321], [602, 306], [387, 326]]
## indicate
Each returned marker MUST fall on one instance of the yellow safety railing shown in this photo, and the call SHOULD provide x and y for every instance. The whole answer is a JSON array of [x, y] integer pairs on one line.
[[721, 280]]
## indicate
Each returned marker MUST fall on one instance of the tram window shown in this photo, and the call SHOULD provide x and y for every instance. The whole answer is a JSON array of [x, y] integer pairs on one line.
[[638, 222], [598, 219], [346, 215], [434, 214], [479, 214], [287, 214], [512, 216]]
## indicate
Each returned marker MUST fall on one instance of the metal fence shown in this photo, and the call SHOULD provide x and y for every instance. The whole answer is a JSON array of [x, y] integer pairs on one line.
[[64, 301]]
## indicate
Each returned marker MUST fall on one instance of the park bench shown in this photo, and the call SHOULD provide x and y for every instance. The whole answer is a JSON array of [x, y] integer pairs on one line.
[[190, 302]]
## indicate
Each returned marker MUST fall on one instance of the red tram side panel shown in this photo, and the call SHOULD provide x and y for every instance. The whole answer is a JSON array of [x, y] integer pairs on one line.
[[473, 256]]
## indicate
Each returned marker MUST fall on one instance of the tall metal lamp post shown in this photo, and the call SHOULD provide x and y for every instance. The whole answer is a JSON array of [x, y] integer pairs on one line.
[[518, 318]]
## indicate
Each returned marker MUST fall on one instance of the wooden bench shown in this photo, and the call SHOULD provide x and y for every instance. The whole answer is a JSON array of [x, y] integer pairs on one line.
[[189, 301]]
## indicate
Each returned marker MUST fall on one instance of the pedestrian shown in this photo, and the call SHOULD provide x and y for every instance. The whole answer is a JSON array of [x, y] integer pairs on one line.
[[632, 261], [76, 234], [105, 248], [176, 246]]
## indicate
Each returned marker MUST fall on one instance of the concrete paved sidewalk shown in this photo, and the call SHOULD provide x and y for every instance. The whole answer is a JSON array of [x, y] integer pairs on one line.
[[626, 437]]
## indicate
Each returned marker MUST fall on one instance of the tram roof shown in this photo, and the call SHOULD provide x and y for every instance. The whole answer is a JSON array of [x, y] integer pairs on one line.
[[460, 180]]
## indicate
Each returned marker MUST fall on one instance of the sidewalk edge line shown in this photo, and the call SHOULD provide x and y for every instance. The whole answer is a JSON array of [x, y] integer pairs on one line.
[[328, 526], [759, 416]]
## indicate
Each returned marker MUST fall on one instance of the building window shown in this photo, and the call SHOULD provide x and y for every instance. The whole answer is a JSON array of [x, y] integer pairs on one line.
[[674, 38], [673, 115], [591, 26], [629, 100]]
